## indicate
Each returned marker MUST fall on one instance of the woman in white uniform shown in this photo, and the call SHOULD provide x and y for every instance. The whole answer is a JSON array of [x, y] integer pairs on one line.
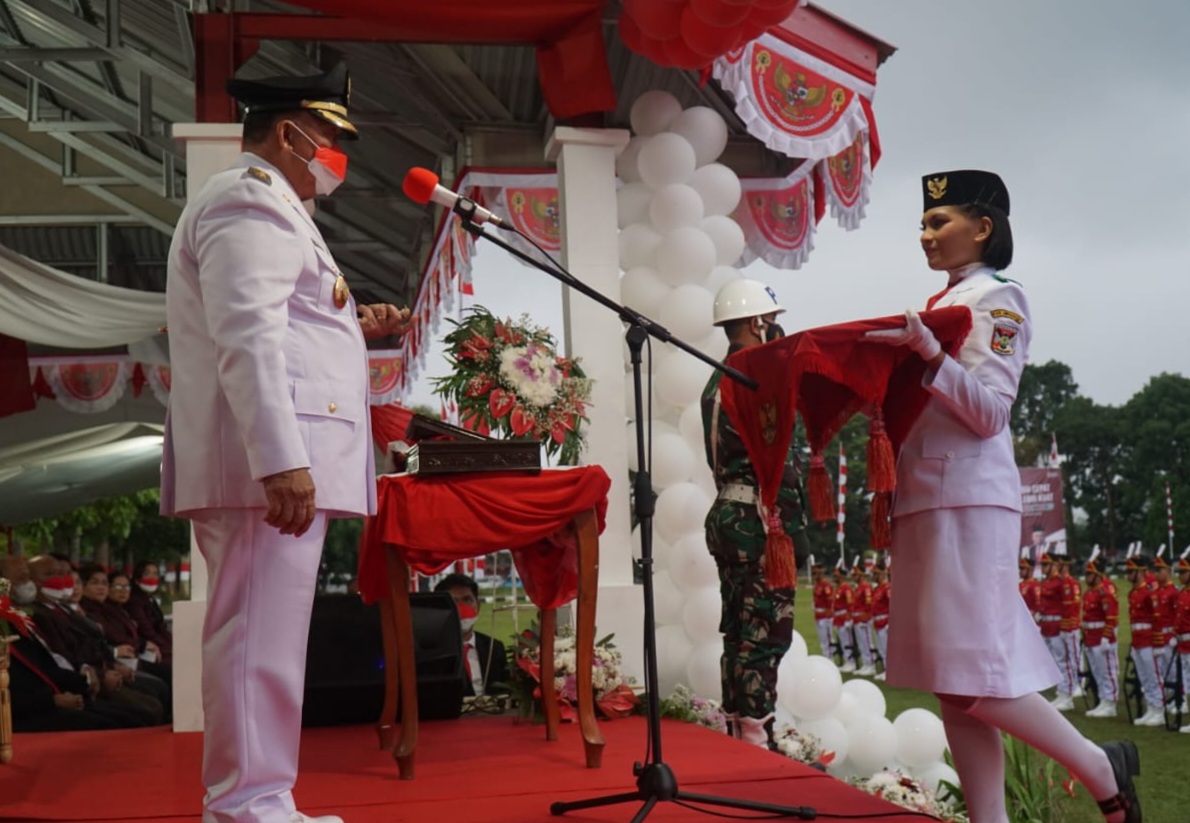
[[958, 626]]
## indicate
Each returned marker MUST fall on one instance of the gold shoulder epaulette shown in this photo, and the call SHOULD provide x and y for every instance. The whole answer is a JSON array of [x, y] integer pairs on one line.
[[257, 174]]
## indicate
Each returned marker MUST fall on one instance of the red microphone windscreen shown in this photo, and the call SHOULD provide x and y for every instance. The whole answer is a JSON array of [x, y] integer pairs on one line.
[[419, 184]]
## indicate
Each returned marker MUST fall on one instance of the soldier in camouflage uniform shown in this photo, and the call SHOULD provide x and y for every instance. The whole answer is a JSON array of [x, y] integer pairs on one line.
[[757, 622]]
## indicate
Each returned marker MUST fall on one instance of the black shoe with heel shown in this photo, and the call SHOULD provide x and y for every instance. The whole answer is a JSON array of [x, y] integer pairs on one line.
[[1125, 764]]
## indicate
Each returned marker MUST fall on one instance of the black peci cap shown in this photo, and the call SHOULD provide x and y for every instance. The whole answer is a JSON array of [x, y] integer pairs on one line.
[[326, 95], [963, 187]]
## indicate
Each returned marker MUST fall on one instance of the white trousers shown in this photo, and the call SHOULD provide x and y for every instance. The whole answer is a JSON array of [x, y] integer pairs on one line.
[[260, 595], [882, 644], [1067, 669], [845, 635], [1150, 683], [1105, 667], [1072, 645], [823, 626], [1163, 656], [863, 640]]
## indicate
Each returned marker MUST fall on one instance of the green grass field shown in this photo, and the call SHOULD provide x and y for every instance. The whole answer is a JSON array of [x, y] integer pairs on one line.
[[1165, 756]]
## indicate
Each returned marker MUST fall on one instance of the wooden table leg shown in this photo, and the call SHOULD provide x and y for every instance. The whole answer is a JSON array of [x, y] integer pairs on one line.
[[405, 664], [588, 585], [386, 724], [549, 693], [5, 708]]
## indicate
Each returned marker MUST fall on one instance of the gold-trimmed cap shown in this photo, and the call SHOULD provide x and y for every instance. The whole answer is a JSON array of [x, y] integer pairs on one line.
[[963, 187], [326, 95]]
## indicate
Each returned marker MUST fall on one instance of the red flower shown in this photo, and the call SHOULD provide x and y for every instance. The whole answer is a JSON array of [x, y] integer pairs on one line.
[[521, 421], [479, 385], [619, 702], [501, 402], [827, 758], [558, 433]]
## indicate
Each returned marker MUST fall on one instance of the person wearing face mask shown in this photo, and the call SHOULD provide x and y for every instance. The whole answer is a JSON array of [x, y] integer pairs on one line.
[[142, 607], [485, 664], [756, 621], [267, 433], [957, 624]]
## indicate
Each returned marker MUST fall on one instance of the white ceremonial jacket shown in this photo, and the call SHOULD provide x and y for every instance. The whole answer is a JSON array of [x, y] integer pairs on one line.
[[267, 374], [960, 450]]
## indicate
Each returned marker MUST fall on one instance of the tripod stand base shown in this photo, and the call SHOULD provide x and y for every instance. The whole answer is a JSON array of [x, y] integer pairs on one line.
[[656, 783]]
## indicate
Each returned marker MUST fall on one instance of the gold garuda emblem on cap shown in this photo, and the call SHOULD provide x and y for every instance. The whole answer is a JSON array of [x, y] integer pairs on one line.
[[936, 187]]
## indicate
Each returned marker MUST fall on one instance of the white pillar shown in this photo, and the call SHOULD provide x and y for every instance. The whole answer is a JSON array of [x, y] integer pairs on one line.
[[210, 148], [587, 199]]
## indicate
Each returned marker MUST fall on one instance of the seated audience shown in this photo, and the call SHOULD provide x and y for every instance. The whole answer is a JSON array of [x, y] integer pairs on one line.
[[485, 665], [120, 630], [142, 606]]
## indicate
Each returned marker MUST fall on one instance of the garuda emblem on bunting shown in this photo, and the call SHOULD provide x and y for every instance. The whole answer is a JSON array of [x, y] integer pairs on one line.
[[846, 170], [535, 212], [795, 98], [384, 373], [783, 216], [88, 381]]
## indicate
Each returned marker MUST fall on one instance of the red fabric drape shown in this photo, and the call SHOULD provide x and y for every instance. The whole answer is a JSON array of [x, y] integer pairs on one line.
[[828, 374], [16, 392], [433, 521], [568, 34], [389, 423]]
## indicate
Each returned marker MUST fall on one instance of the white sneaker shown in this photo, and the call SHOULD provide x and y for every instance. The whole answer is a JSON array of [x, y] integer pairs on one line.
[[1104, 709], [879, 677], [1078, 692], [1185, 729], [1153, 717], [1063, 703], [298, 817], [867, 671], [847, 667]]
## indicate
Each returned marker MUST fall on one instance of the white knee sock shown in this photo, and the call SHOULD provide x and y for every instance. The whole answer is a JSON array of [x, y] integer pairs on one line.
[[978, 752], [1033, 720]]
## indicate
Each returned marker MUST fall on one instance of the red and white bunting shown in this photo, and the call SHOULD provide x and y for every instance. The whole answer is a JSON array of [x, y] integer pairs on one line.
[[846, 179], [779, 217], [842, 516]]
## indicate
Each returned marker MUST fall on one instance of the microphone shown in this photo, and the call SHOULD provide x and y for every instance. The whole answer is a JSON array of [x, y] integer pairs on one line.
[[421, 186]]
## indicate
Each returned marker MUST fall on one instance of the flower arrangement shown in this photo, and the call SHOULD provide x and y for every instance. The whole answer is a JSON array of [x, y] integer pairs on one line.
[[803, 747], [685, 705], [509, 378], [613, 692], [908, 793]]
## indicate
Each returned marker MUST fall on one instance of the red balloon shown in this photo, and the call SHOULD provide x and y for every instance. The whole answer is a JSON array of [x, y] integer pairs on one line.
[[709, 41], [770, 16], [721, 12], [774, 4], [658, 19], [679, 55], [631, 35]]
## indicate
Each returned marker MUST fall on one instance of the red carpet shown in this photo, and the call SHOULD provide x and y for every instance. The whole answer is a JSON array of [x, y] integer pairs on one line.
[[475, 770]]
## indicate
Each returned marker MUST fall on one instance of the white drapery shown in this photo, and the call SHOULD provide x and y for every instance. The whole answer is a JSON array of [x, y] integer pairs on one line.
[[42, 305]]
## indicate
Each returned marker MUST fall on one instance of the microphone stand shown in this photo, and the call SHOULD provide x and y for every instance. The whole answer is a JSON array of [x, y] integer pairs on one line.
[[655, 780]]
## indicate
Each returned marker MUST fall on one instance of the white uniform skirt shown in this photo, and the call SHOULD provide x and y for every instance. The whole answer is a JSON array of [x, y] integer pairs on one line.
[[957, 621]]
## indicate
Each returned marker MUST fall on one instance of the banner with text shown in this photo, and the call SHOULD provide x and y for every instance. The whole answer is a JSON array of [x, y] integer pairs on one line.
[[1043, 513]]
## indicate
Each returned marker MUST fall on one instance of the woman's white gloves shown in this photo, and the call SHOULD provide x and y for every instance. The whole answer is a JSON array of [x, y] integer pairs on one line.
[[915, 335]]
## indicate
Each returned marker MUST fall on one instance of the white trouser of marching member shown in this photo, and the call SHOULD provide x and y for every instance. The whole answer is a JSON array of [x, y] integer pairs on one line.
[[882, 644], [260, 596], [1163, 656], [1072, 668], [863, 640], [847, 639], [1105, 667], [1185, 659], [1146, 670], [1066, 679], [823, 624]]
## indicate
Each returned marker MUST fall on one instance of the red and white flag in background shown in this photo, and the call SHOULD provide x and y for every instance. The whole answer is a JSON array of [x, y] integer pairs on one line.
[[1055, 460]]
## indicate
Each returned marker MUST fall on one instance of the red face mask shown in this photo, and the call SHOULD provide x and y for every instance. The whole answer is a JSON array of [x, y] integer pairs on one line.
[[328, 165], [149, 581]]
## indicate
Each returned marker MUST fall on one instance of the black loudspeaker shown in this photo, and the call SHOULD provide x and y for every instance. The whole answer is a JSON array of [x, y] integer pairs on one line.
[[345, 660]]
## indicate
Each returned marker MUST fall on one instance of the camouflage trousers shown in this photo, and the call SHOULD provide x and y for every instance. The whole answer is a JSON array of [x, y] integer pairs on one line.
[[756, 621]]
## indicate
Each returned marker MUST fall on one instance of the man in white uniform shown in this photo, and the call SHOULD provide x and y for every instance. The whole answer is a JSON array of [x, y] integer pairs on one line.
[[267, 433]]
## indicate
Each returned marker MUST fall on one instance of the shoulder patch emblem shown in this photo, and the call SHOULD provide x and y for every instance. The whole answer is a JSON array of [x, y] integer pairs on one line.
[[257, 174], [1004, 338], [1004, 279], [1011, 315]]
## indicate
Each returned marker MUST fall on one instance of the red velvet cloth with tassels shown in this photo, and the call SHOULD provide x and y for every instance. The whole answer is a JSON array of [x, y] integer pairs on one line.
[[827, 375]]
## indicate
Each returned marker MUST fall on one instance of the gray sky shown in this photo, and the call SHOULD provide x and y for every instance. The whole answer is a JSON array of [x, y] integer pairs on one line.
[[1082, 106]]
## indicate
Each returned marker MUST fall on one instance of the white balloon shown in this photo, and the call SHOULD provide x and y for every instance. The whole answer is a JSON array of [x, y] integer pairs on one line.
[[641, 288], [869, 700], [727, 236], [920, 737], [632, 204], [680, 379], [673, 653], [690, 426], [667, 600], [639, 243], [845, 712], [681, 508], [691, 566], [674, 206], [667, 158], [653, 111], [718, 186], [700, 614], [714, 345], [831, 732], [705, 130], [720, 277], [673, 461], [873, 744], [686, 311], [684, 255], [702, 670], [662, 552], [626, 161], [932, 776], [797, 647], [816, 686]]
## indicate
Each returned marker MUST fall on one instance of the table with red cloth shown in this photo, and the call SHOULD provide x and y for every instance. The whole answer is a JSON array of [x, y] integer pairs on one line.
[[551, 522]]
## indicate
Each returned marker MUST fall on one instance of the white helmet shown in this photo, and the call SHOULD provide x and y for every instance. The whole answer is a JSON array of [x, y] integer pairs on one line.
[[742, 298]]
